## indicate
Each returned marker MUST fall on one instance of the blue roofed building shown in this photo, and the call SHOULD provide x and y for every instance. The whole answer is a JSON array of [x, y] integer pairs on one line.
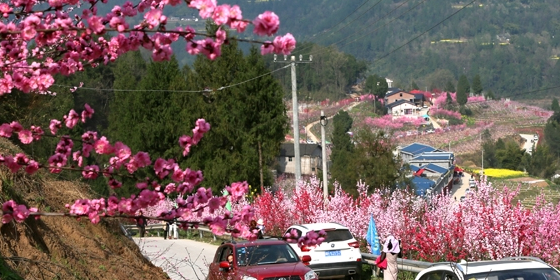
[[443, 159], [432, 169], [423, 186], [413, 150]]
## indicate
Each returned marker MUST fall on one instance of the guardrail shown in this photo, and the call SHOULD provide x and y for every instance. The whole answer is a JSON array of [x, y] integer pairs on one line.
[[201, 229], [403, 264]]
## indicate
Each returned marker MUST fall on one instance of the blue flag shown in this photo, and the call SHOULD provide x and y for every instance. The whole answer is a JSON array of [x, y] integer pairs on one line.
[[372, 238]]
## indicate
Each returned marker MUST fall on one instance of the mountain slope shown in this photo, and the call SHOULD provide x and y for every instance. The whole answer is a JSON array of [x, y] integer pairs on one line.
[[62, 247], [513, 45]]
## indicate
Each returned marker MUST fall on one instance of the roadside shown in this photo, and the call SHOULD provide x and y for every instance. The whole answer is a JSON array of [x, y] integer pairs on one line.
[[179, 258], [308, 127], [459, 190]]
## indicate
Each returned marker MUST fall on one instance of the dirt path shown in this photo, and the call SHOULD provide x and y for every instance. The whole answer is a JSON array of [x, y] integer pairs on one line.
[[308, 127]]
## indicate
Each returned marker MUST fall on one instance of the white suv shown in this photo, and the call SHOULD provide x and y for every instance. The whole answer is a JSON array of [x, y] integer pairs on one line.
[[515, 268], [338, 256]]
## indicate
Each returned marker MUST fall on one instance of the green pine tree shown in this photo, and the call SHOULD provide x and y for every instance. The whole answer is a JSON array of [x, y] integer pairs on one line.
[[555, 107], [490, 95], [342, 152], [449, 87], [477, 85], [463, 89]]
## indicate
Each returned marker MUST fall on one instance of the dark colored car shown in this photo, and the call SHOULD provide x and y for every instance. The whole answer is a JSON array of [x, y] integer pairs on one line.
[[268, 259]]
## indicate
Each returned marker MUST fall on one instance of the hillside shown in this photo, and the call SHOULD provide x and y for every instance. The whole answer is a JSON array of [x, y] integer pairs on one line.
[[513, 45], [61, 247]]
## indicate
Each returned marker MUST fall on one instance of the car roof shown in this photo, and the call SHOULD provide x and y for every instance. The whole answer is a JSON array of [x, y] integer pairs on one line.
[[497, 265], [320, 226]]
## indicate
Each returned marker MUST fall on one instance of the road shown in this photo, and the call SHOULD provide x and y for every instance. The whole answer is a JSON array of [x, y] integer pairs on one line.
[[308, 127], [427, 112], [180, 258], [528, 146], [460, 189]]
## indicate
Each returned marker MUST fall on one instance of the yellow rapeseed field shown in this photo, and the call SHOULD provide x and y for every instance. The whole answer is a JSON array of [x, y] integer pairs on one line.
[[503, 173]]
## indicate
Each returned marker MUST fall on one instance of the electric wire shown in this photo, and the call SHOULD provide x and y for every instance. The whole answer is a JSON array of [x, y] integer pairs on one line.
[[387, 23], [376, 21], [421, 34], [178, 91], [329, 29]]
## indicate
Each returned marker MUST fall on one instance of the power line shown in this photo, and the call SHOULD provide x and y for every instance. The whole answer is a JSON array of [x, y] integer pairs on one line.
[[348, 16], [374, 5], [437, 24], [178, 91], [376, 21], [373, 31]]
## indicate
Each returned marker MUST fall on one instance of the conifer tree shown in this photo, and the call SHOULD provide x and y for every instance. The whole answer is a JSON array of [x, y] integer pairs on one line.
[[449, 87], [463, 89], [555, 107], [477, 85], [342, 152]]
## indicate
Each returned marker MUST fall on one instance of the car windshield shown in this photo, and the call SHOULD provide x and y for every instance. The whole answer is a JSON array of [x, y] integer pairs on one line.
[[265, 254], [517, 274], [338, 235]]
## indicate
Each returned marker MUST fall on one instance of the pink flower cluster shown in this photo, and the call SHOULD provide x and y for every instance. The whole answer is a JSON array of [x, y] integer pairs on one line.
[[66, 37], [487, 225], [445, 113], [187, 141], [14, 211], [388, 121]]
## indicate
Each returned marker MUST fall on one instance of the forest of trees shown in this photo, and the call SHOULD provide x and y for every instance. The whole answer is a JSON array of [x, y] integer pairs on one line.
[[511, 45], [149, 105]]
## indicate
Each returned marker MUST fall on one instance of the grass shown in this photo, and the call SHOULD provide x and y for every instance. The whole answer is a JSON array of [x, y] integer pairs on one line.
[[528, 193]]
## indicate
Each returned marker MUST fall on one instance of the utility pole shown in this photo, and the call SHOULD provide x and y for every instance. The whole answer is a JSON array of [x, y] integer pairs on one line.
[[323, 120], [295, 110], [482, 163]]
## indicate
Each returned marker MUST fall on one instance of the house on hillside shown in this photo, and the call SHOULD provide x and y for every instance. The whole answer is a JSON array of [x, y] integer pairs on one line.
[[311, 159], [443, 159], [423, 186], [397, 95], [401, 108], [432, 169], [413, 150]]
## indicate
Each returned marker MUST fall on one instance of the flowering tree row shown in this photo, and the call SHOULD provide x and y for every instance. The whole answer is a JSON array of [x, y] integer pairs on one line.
[[41, 39], [487, 225]]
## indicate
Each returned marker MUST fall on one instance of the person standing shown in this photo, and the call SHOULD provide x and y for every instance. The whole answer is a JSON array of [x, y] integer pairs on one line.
[[141, 223], [165, 229], [173, 234], [391, 251], [260, 227]]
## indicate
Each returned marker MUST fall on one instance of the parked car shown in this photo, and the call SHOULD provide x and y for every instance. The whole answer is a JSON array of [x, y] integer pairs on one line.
[[337, 257], [518, 268], [259, 260]]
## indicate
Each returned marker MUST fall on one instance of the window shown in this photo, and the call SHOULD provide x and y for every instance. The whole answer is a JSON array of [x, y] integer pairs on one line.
[[400, 94], [226, 250], [289, 158], [435, 275], [312, 168]]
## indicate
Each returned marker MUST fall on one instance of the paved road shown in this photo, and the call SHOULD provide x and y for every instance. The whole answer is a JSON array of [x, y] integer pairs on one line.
[[528, 146], [180, 258], [316, 139], [459, 190]]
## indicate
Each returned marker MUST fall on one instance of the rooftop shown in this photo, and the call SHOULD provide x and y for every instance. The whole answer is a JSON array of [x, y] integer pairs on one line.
[[417, 148], [287, 149]]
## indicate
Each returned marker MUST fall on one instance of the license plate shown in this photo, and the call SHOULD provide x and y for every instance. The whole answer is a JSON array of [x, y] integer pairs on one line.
[[332, 253]]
